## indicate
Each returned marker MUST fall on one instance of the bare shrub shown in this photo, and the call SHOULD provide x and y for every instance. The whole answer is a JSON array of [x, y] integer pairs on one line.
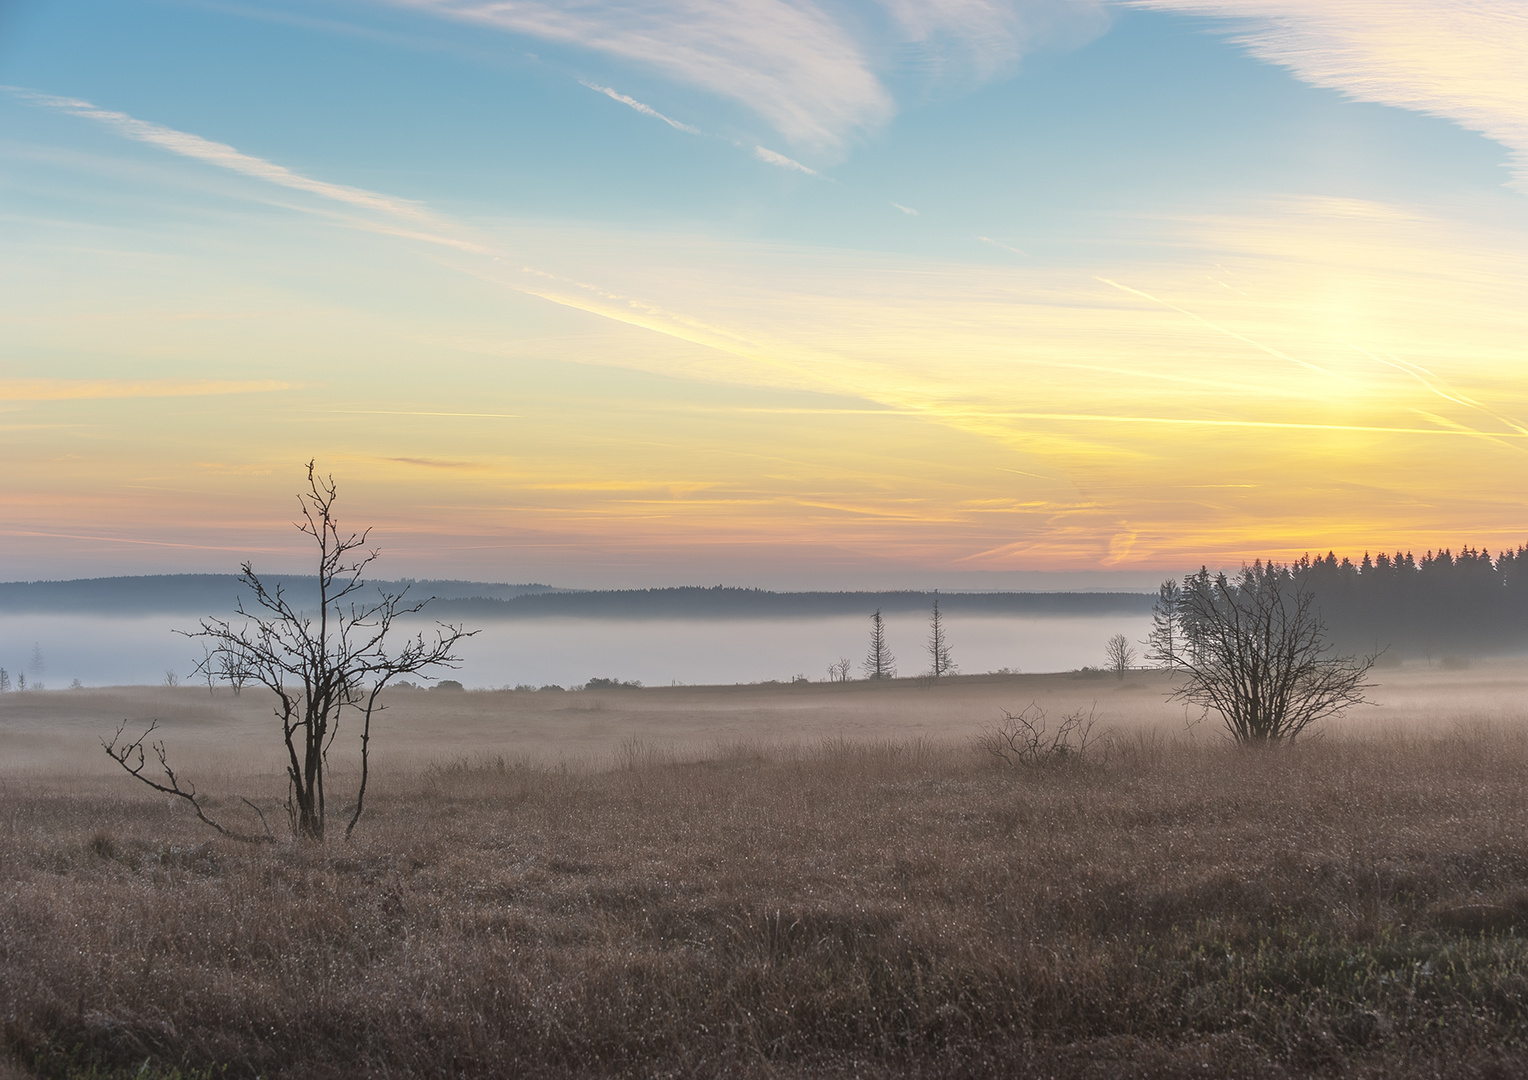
[[1256, 653], [1025, 739]]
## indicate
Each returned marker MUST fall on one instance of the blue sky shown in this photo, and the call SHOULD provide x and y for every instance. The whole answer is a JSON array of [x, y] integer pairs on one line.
[[1001, 287], [1156, 112]]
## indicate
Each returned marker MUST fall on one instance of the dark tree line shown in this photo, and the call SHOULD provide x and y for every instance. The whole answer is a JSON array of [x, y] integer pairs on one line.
[[1443, 602]]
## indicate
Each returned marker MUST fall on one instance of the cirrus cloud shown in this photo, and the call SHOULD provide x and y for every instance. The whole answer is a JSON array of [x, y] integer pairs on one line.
[[84, 389], [1465, 60], [815, 72]]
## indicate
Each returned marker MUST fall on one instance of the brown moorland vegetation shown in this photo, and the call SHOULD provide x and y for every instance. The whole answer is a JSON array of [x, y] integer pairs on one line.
[[894, 904]]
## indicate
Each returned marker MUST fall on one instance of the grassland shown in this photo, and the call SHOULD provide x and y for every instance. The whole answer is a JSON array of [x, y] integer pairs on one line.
[[783, 881]]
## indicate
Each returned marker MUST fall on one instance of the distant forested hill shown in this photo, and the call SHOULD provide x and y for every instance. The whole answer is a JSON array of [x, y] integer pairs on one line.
[[720, 602], [214, 594], [204, 594], [1439, 604]]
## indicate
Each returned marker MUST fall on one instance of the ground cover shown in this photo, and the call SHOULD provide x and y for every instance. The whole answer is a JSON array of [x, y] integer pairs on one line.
[[901, 906]]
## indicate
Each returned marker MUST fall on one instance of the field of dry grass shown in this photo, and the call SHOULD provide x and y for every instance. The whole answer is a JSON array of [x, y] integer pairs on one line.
[[813, 881]]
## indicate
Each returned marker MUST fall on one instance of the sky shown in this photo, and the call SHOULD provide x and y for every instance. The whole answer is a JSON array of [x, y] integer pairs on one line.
[[787, 293]]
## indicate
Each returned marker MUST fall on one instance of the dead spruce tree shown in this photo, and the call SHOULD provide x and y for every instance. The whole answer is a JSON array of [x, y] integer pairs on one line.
[[321, 665], [878, 662], [940, 662], [1254, 651]]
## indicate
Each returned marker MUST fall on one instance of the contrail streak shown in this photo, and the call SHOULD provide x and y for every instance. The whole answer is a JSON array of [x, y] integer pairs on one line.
[[1193, 422], [146, 543], [1221, 329], [644, 109], [1425, 377]]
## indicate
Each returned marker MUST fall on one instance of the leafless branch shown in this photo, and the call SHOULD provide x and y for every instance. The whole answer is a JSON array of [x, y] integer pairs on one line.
[[269, 836], [131, 756]]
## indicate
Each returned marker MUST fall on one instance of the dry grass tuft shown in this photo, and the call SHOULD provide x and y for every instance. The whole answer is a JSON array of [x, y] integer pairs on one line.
[[1348, 907]]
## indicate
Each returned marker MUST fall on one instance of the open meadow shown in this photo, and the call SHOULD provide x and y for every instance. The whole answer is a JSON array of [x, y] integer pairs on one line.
[[778, 880]]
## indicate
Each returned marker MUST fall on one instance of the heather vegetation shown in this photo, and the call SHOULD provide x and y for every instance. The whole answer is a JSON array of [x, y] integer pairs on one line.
[[1150, 906]]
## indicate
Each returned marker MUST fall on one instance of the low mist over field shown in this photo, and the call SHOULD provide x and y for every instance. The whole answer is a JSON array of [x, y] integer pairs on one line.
[[59, 732], [107, 651]]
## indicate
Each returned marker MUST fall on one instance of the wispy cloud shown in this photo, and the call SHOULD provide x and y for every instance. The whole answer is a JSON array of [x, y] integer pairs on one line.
[[761, 153], [773, 157], [1466, 60], [222, 155], [392, 216], [242, 548], [974, 40], [439, 463], [645, 110], [531, 280], [84, 389], [812, 70], [1005, 247], [790, 62], [908, 210]]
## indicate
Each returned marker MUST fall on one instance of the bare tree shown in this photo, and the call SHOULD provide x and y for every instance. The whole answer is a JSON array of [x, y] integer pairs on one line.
[[1256, 653], [940, 663], [1119, 655], [318, 664], [878, 662], [217, 667], [226, 671], [839, 671]]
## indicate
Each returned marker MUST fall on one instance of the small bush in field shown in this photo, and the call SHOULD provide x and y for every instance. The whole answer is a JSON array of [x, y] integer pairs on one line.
[[1027, 738]]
